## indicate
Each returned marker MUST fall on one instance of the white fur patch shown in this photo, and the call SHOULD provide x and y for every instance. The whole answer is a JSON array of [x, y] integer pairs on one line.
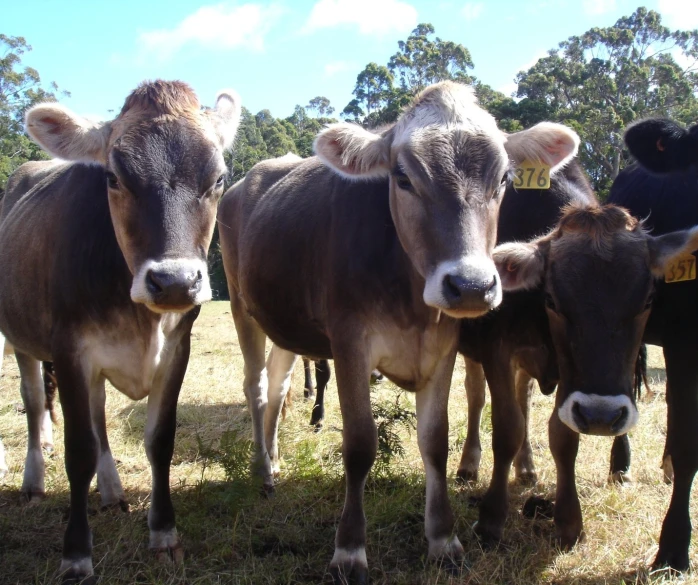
[[110, 490], [446, 548], [599, 402], [47, 431], [141, 294], [347, 558], [163, 539], [33, 482], [480, 265], [81, 567]]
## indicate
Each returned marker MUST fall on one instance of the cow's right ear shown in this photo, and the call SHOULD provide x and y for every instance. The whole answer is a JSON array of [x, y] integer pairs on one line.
[[661, 145], [665, 248], [353, 152], [520, 265], [65, 135]]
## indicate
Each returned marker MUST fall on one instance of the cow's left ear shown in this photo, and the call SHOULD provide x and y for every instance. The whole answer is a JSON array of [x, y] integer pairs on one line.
[[661, 145], [225, 116], [66, 135], [665, 248], [353, 152], [521, 265], [553, 144]]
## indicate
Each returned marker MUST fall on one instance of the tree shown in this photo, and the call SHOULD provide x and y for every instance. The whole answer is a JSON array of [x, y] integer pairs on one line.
[[20, 88], [601, 81], [321, 106]]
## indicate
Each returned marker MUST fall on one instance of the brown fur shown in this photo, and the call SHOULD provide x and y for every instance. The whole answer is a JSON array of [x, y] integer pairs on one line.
[[162, 98]]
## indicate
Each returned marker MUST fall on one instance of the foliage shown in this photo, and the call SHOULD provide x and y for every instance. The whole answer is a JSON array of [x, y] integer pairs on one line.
[[601, 81], [390, 417], [20, 88]]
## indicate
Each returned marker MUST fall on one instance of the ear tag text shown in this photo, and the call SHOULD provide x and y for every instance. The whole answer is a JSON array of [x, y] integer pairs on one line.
[[532, 175], [680, 268]]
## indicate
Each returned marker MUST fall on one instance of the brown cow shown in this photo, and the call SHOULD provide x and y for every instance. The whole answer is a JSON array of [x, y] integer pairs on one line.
[[368, 254], [598, 269], [104, 268]]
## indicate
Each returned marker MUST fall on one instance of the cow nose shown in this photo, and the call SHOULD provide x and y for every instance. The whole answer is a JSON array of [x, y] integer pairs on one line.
[[173, 288], [599, 420], [461, 291]]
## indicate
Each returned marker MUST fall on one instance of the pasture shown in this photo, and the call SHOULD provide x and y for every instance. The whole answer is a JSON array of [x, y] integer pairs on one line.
[[233, 535]]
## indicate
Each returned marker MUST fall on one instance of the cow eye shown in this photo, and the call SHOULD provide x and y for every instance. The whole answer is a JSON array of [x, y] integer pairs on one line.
[[403, 181], [112, 181], [220, 181], [550, 302], [649, 301]]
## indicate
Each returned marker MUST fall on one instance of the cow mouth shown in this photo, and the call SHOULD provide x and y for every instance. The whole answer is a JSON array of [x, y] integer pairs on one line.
[[162, 309], [464, 313]]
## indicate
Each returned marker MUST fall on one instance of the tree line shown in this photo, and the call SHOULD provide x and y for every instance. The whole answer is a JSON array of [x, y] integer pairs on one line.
[[597, 83]]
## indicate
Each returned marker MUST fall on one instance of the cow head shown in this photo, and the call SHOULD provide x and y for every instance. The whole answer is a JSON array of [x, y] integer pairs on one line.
[[447, 164], [662, 146], [597, 268], [163, 173]]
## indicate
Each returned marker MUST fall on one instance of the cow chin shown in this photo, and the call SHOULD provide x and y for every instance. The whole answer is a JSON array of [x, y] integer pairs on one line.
[[464, 313]]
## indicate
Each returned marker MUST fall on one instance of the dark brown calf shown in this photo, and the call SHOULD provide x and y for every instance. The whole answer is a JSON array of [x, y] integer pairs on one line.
[[598, 269], [395, 246], [104, 267]]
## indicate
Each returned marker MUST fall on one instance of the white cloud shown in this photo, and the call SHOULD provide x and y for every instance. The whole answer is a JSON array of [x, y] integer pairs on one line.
[[219, 26], [681, 14], [370, 16], [597, 7], [339, 67], [472, 10]]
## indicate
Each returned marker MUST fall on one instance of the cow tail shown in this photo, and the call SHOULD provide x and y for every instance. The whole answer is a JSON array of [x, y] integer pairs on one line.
[[50, 388]]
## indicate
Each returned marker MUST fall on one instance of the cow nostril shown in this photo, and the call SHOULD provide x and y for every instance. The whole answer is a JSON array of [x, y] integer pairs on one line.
[[454, 285], [619, 420], [580, 417], [196, 281], [152, 282]]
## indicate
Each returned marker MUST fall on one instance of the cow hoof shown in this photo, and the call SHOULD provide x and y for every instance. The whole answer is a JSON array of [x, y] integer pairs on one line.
[[48, 448], [268, 490], [566, 540], [77, 572], [620, 478], [448, 551], [316, 421], [32, 497], [318, 427], [349, 566], [536, 508], [376, 377], [120, 504], [172, 555], [488, 536], [309, 394], [466, 476], [526, 478]]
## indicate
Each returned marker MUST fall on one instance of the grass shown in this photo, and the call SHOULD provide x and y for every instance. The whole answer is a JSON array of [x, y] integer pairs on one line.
[[232, 535]]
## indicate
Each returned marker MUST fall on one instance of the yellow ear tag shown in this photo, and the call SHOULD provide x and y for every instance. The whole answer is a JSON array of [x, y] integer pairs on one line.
[[680, 268], [532, 175]]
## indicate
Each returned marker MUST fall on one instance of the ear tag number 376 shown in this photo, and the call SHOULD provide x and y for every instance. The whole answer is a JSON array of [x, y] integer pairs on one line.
[[681, 268], [532, 175]]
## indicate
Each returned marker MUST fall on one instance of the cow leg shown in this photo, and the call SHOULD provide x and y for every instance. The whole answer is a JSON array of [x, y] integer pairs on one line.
[[475, 393], [682, 444], [359, 446], [564, 444], [108, 481], [309, 389], [620, 460], [667, 467], [322, 372], [252, 344], [432, 437], [160, 427], [279, 369], [32, 390], [507, 438], [81, 452], [524, 469]]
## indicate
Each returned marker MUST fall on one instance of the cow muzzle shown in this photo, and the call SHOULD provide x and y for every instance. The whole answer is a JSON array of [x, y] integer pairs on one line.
[[171, 285], [465, 288], [593, 414]]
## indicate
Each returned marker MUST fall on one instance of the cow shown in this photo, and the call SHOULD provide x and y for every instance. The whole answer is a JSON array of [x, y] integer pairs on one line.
[[598, 268], [663, 189], [398, 227], [104, 271]]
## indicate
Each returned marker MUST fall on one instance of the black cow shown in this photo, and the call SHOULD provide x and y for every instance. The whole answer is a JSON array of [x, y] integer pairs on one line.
[[665, 195], [104, 269]]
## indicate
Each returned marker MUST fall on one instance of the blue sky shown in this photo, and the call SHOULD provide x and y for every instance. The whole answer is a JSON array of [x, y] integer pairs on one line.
[[279, 53]]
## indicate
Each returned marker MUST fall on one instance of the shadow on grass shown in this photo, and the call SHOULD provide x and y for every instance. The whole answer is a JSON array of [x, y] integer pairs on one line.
[[656, 375]]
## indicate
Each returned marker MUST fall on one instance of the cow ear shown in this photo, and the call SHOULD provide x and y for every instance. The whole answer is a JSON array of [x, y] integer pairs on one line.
[[553, 144], [226, 116], [520, 265], [66, 135], [353, 152], [661, 145], [663, 249]]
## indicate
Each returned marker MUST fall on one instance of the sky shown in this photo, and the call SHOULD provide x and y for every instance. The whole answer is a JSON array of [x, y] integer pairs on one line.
[[279, 53]]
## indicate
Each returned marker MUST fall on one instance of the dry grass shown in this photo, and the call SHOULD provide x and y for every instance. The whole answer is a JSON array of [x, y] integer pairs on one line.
[[232, 535]]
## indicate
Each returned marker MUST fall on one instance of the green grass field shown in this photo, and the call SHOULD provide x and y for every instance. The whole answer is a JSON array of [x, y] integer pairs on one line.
[[233, 535]]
